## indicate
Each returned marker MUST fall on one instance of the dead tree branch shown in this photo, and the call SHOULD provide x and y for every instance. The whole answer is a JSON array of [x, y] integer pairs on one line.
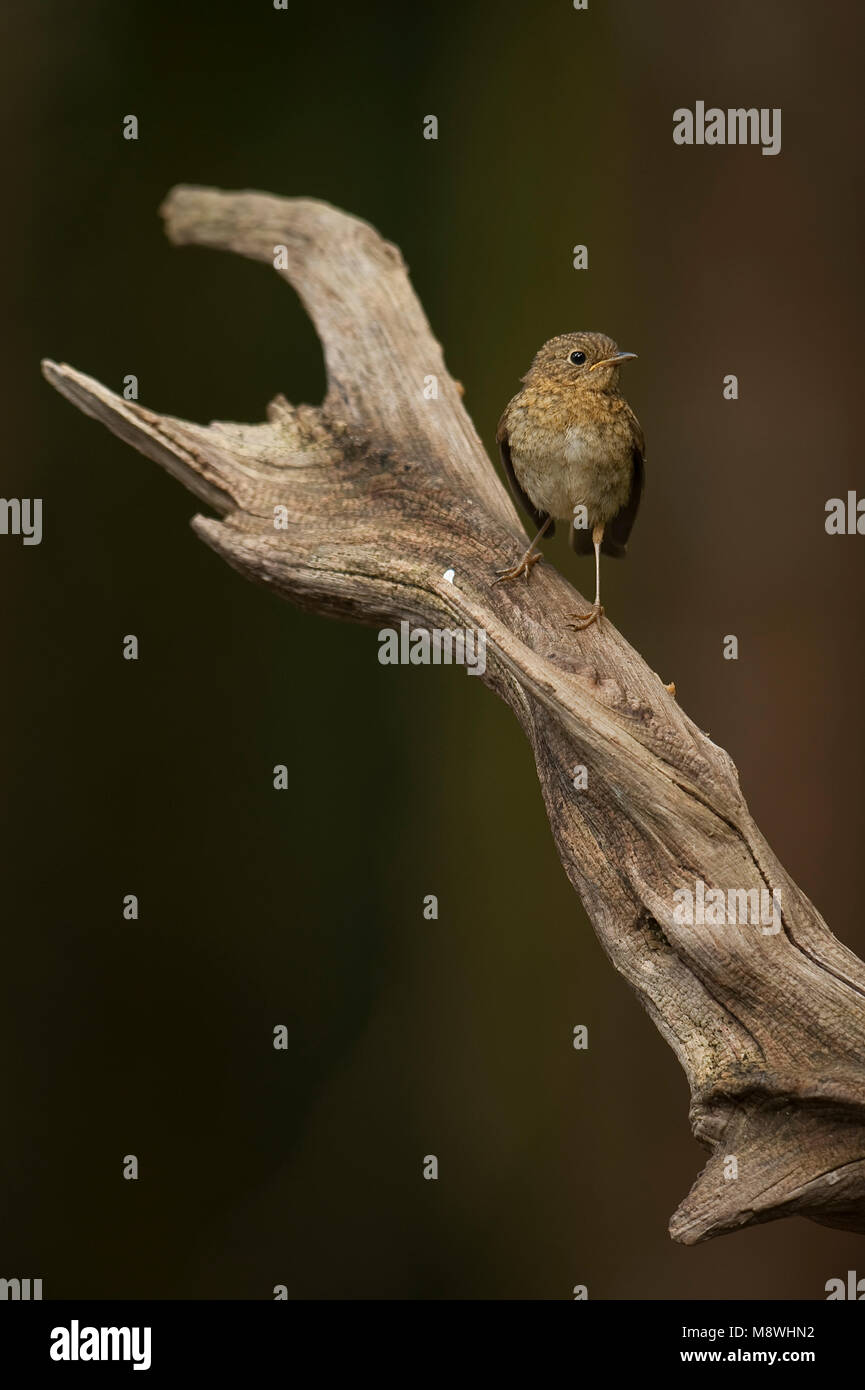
[[384, 493]]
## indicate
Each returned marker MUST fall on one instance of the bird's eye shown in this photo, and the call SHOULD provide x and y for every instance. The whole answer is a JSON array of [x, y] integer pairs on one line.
[[578, 358]]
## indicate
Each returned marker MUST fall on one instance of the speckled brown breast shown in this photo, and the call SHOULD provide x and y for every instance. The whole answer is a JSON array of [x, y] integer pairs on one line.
[[562, 462]]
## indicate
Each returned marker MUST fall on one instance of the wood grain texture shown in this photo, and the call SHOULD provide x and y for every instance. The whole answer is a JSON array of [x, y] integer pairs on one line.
[[384, 492]]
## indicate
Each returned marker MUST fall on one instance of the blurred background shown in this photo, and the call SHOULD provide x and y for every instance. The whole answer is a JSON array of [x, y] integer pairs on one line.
[[406, 1037]]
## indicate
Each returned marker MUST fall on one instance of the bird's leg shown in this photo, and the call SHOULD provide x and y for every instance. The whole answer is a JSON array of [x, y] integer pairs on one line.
[[597, 610], [530, 558]]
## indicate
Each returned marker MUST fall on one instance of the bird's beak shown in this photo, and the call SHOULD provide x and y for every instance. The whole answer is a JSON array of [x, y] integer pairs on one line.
[[612, 361]]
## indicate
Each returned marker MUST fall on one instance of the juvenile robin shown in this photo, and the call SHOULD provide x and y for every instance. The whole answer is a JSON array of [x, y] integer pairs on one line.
[[573, 450]]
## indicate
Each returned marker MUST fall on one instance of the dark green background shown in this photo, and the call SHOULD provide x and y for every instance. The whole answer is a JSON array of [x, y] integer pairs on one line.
[[305, 907]]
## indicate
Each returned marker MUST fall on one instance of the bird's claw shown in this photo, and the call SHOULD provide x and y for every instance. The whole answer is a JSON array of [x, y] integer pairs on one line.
[[523, 566], [587, 620]]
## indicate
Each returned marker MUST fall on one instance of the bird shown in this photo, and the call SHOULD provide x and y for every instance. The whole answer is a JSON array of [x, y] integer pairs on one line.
[[573, 449]]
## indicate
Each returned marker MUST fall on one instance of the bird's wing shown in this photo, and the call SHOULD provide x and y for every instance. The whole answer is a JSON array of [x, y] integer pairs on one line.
[[617, 531], [520, 496]]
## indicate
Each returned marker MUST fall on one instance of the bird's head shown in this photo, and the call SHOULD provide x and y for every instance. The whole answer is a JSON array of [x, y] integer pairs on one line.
[[581, 361]]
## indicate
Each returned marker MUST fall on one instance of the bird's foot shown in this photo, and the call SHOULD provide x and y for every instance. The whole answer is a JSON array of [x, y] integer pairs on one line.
[[583, 621], [523, 566]]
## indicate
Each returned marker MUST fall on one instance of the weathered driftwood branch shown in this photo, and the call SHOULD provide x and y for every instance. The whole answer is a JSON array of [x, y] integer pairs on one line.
[[386, 491]]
